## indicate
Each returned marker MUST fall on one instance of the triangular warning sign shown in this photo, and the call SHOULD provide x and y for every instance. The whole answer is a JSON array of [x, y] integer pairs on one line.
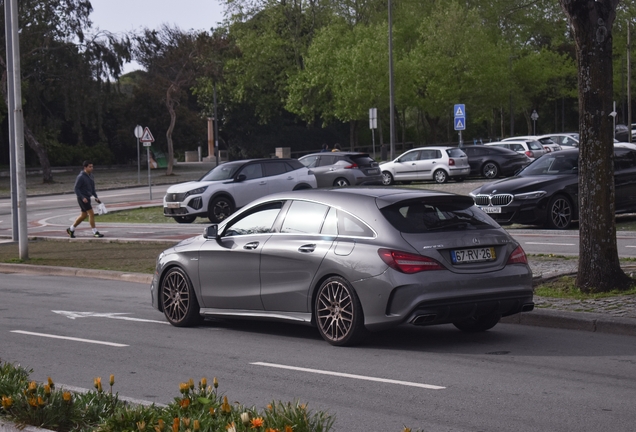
[[459, 112], [459, 124], [147, 136]]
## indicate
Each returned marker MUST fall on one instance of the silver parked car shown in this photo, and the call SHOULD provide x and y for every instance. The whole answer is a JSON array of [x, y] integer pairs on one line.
[[231, 185], [343, 168], [348, 261], [427, 163]]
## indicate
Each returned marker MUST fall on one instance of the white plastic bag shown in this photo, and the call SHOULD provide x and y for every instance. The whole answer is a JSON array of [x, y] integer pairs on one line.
[[101, 209]]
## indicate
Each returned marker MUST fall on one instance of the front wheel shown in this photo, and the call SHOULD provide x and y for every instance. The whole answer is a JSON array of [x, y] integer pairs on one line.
[[219, 209], [440, 176], [478, 324], [560, 213], [387, 178], [180, 305], [338, 313]]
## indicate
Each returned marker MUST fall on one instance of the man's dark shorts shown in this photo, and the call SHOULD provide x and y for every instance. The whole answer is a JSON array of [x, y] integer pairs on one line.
[[85, 206]]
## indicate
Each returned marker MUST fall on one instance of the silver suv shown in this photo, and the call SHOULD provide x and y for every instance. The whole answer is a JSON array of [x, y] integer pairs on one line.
[[427, 163], [231, 185]]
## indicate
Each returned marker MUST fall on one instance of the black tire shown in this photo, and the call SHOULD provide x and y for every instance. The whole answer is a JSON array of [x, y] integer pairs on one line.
[[341, 182], [440, 176], [478, 324], [180, 305], [338, 313], [559, 213], [184, 219], [219, 209], [490, 170], [387, 178], [302, 187]]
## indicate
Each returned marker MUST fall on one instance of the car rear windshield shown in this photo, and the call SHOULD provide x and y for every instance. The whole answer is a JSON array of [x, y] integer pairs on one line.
[[556, 163], [456, 153], [442, 214], [362, 160]]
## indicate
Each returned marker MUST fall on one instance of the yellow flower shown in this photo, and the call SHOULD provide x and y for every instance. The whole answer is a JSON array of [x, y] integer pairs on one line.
[[185, 402], [257, 423], [270, 407], [225, 406], [97, 382], [186, 422], [160, 425], [204, 383], [406, 429], [184, 387], [212, 412], [112, 380], [197, 425], [215, 383], [141, 426], [175, 424], [41, 401], [67, 396], [50, 382], [33, 402], [289, 429], [32, 387], [245, 418], [7, 402], [47, 389], [271, 430], [231, 427], [191, 383]]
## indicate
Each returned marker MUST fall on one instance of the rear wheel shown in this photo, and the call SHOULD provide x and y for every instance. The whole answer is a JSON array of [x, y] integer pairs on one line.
[[338, 313], [387, 178], [341, 182], [184, 219], [560, 213], [219, 209], [180, 305], [490, 170], [478, 324], [440, 176]]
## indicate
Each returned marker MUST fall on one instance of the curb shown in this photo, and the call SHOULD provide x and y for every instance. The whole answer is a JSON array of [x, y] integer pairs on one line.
[[567, 320], [7, 426]]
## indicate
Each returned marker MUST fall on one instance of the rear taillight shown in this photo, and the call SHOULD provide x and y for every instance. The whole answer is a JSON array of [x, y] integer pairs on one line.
[[351, 166], [451, 162], [518, 256], [530, 154], [407, 262]]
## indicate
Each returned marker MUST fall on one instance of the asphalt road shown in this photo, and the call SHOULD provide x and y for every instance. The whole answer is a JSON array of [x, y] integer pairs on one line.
[[514, 377]]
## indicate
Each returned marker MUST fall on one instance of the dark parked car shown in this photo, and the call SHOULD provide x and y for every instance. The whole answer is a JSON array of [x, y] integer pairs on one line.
[[492, 162], [546, 192], [343, 168], [348, 260]]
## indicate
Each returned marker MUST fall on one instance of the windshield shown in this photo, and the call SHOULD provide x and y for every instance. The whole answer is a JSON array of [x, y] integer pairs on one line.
[[420, 217], [222, 172], [555, 163]]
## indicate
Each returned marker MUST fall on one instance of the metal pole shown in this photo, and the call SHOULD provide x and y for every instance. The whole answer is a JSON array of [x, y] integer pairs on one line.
[[391, 86], [629, 85], [13, 66], [15, 235], [216, 128], [149, 182], [138, 164]]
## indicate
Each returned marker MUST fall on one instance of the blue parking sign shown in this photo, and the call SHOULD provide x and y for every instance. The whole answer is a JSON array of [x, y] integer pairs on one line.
[[460, 123], [459, 110]]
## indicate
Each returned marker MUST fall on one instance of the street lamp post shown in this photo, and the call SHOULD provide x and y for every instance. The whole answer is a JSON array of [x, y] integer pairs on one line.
[[391, 86]]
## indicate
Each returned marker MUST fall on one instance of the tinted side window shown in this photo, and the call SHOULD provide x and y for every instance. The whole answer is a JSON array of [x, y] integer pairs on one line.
[[349, 225], [304, 218], [252, 171], [274, 168], [258, 221], [327, 160], [624, 159]]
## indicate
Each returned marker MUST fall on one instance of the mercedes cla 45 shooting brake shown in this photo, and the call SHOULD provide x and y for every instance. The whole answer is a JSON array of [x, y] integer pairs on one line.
[[348, 261]]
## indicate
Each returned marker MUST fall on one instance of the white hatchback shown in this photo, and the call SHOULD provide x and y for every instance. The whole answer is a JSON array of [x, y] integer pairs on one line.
[[231, 185], [532, 149], [426, 163]]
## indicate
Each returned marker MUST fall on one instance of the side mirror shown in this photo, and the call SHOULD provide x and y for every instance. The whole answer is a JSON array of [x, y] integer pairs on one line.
[[241, 177], [211, 232]]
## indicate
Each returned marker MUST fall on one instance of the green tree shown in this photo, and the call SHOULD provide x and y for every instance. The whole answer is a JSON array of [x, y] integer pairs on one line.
[[591, 23]]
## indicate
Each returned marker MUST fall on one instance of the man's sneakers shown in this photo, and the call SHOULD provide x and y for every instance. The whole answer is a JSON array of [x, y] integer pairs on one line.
[[97, 234], [70, 233]]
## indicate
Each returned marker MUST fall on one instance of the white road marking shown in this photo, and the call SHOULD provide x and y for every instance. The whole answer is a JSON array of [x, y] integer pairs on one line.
[[112, 315], [345, 375], [631, 246], [69, 338], [551, 244]]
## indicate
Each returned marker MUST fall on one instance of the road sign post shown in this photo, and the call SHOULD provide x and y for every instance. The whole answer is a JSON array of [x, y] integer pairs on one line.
[[148, 139], [139, 132], [459, 112], [373, 124], [534, 118]]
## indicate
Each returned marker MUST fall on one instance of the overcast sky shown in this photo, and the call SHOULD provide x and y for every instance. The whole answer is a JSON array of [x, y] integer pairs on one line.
[[118, 16]]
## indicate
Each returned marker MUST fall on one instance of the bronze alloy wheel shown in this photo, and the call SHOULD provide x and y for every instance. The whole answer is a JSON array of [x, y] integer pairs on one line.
[[338, 313], [180, 305]]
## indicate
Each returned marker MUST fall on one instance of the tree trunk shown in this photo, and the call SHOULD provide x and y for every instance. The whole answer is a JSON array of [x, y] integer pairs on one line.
[[45, 164], [591, 24], [170, 102]]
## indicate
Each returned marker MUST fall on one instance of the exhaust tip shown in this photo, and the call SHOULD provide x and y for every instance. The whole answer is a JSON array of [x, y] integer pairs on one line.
[[527, 307], [423, 319]]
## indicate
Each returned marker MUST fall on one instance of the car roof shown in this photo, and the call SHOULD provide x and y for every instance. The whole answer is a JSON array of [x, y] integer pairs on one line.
[[338, 153], [502, 150]]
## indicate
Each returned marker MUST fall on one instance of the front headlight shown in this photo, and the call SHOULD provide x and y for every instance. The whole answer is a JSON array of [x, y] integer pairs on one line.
[[531, 195], [197, 191]]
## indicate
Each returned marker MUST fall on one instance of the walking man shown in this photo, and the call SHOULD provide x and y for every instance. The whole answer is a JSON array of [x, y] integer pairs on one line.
[[85, 189]]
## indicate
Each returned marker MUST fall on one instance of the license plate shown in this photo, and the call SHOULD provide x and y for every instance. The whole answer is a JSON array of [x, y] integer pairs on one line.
[[462, 256], [173, 205], [491, 209], [373, 171]]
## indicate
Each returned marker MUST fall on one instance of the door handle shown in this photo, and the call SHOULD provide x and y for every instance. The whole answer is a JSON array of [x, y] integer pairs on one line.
[[307, 248], [251, 246]]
